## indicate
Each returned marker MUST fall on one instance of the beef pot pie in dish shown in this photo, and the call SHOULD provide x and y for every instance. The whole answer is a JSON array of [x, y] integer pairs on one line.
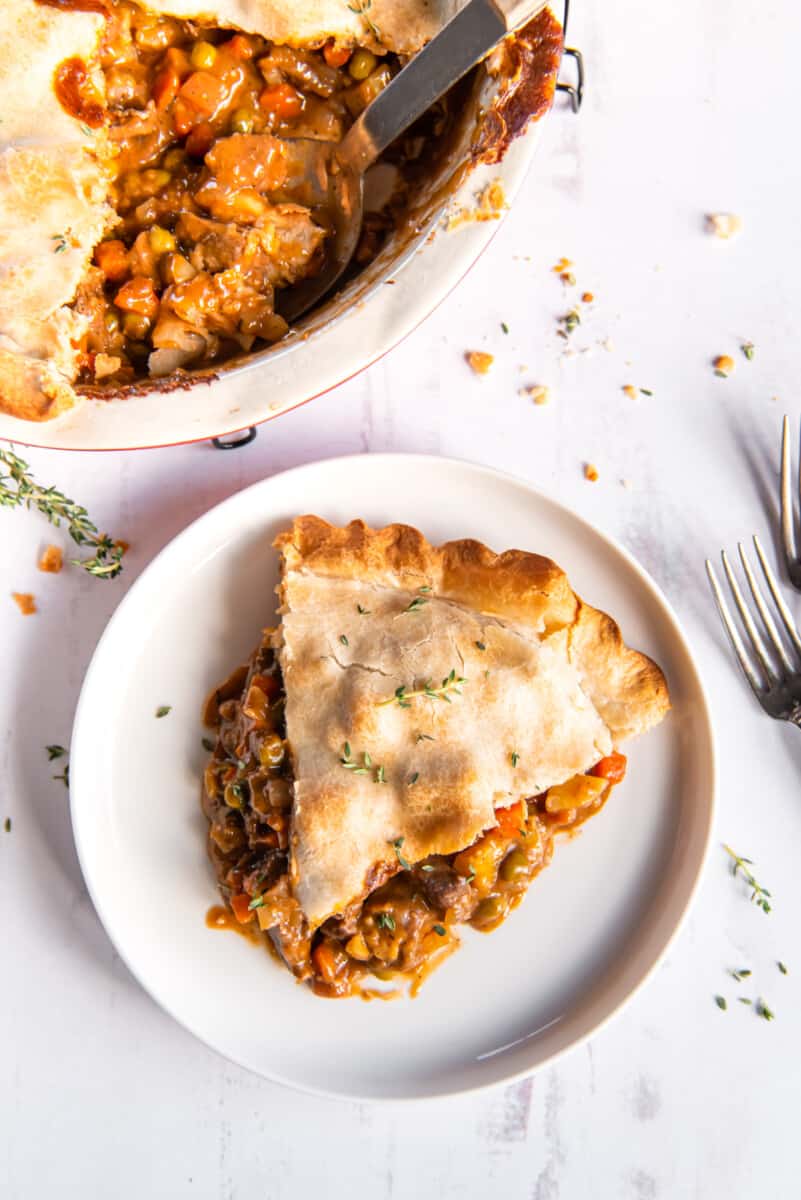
[[151, 212], [399, 755]]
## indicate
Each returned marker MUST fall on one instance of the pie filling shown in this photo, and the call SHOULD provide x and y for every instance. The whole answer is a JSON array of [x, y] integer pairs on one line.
[[407, 923], [215, 217]]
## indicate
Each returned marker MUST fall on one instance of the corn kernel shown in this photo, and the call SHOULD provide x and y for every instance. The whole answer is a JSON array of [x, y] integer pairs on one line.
[[724, 365], [478, 361]]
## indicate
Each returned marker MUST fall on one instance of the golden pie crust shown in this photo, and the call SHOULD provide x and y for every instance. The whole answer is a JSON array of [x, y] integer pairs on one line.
[[550, 687]]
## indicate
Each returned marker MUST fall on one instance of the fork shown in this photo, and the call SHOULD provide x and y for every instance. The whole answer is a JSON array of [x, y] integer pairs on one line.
[[775, 674], [787, 518]]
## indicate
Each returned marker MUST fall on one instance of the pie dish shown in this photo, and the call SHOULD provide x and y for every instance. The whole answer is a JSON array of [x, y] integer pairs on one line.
[[400, 753], [150, 212]]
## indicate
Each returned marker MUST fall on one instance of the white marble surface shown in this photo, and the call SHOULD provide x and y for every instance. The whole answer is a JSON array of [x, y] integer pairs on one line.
[[102, 1095]]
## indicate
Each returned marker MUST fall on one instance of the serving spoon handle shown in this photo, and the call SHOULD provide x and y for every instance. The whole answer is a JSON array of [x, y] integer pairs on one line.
[[464, 41]]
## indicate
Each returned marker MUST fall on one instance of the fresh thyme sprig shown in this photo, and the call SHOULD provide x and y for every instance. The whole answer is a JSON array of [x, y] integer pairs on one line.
[[365, 767], [18, 488], [450, 686], [362, 8], [759, 895], [396, 846]]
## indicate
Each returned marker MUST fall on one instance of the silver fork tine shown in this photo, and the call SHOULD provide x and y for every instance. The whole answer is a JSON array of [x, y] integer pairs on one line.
[[784, 612], [750, 627], [732, 632], [765, 614], [788, 530]]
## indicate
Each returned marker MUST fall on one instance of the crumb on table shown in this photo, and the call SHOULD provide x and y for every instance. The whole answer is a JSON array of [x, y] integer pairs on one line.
[[538, 393], [52, 560], [590, 472], [630, 390], [479, 361], [25, 602], [724, 365], [724, 225]]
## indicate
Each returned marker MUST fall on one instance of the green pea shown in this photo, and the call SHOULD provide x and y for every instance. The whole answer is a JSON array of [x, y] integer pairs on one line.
[[514, 867]]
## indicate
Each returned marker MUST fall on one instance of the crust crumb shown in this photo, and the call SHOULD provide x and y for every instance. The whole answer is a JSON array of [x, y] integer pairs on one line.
[[538, 394], [590, 472], [52, 560], [490, 203], [25, 602], [630, 391], [479, 361], [724, 225]]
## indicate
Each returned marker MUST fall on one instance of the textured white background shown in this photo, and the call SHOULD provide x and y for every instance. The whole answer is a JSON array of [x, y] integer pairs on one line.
[[101, 1094]]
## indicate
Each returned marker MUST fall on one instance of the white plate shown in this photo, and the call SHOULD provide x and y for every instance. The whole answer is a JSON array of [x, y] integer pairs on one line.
[[590, 930]]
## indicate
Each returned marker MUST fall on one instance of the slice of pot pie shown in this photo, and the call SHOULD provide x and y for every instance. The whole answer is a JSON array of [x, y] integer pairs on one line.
[[152, 207], [400, 753]]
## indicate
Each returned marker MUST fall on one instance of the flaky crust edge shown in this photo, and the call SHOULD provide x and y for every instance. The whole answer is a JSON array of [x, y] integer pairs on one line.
[[628, 688]]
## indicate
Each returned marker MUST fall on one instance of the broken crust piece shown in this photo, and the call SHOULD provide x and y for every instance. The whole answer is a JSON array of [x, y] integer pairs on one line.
[[53, 209], [550, 688]]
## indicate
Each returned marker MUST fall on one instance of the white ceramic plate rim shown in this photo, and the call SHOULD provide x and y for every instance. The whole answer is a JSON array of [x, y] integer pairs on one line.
[[81, 754]]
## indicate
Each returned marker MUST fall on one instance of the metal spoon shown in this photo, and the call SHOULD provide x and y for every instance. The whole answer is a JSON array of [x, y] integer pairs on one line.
[[335, 173]]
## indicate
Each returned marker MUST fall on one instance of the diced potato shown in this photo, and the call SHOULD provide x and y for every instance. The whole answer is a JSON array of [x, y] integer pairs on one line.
[[578, 792]]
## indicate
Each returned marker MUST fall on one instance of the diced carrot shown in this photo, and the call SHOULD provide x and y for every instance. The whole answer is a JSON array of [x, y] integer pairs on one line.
[[239, 46], [283, 100], [240, 905], [112, 258], [511, 820], [138, 296], [203, 92], [200, 140], [613, 767], [165, 87], [51, 560], [25, 602], [178, 60], [326, 961], [336, 56]]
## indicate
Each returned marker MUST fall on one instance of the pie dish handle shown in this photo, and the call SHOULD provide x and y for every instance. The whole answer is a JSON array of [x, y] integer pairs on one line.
[[235, 441]]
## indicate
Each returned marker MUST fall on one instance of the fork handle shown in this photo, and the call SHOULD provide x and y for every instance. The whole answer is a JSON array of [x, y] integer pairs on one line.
[[464, 41]]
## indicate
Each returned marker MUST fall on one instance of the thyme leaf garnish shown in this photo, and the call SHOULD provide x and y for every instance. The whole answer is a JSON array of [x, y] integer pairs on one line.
[[362, 8], [440, 929], [361, 768], [740, 975], [207, 744], [55, 752], [782, 968], [362, 611], [425, 737], [256, 902], [163, 709], [763, 1011], [7, 825], [413, 778], [64, 776], [515, 758], [416, 604], [403, 696], [396, 845], [385, 920], [18, 488], [748, 350], [759, 895], [721, 1002], [480, 646]]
